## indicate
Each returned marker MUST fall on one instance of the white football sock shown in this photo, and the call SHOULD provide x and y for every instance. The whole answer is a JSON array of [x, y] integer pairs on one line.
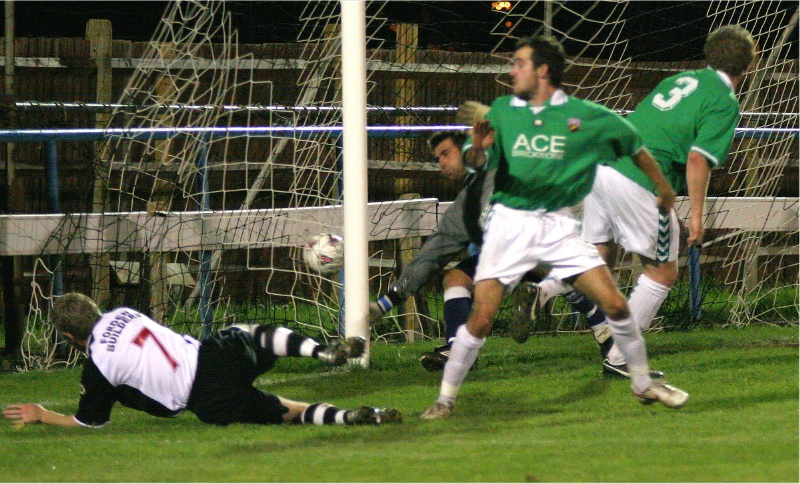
[[456, 292], [646, 299], [463, 354], [614, 355], [550, 288], [628, 339]]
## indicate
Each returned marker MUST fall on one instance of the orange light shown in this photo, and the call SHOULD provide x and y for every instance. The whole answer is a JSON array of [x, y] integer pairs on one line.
[[508, 23], [501, 6]]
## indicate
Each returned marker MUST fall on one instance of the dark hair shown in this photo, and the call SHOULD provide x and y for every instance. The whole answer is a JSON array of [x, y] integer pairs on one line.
[[546, 51], [75, 313], [458, 137], [730, 49]]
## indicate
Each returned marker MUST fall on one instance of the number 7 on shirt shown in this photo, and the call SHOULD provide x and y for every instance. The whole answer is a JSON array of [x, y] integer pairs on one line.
[[142, 337]]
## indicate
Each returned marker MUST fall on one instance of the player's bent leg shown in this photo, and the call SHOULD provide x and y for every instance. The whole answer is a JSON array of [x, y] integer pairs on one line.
[[488, 297], [458, 286], [595, 318], [469, 340], [280, 341], [599, 286]]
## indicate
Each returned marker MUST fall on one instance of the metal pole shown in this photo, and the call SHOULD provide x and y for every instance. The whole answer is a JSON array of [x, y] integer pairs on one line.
[[54, 206], [695, 298]]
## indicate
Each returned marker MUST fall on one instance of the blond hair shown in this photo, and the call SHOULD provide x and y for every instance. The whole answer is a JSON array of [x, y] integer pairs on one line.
[[75, 313]]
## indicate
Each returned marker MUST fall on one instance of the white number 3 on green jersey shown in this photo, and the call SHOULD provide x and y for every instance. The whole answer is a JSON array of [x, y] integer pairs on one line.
[[688, 85]]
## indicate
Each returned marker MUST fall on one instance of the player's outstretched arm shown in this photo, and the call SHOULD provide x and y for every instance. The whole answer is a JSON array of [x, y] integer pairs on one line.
[[21, 414]]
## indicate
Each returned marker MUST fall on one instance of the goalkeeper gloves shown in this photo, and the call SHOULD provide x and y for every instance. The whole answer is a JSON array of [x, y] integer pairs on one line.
[[384, 304]]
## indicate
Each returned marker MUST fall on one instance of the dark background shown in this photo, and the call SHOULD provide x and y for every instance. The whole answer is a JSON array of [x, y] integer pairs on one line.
[[460, 26]]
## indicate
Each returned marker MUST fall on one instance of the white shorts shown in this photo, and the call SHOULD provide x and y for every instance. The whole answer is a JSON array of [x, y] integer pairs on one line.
[[516, 241], [621, 210]]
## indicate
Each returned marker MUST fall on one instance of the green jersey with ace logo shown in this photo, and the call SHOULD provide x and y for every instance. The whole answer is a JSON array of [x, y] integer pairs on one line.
[[547, 160], [691, 111]]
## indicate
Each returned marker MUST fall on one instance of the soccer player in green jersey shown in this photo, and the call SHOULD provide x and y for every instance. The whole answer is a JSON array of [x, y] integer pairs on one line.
[[687, 122], [546, 147]]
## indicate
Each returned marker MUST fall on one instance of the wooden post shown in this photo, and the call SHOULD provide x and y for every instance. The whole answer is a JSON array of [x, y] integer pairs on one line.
[[406, 95], [409, 248], [98, 32], [9, 269], [406, 89]]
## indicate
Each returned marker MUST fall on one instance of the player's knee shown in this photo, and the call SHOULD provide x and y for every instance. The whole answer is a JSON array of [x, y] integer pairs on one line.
[[457, 278], [480, 322], [479, 327], [616, 307], [664, 273]]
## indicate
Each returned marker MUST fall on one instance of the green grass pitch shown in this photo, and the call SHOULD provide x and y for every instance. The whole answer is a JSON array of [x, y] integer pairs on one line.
[[540, 411]]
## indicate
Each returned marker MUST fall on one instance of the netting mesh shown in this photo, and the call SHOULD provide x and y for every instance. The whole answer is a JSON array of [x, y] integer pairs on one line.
[[746, 275], [201, 228]]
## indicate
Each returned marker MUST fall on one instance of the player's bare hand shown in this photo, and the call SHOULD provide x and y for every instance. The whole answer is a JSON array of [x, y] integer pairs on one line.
[[665, 200], [20, 414], [696, 232], [482, 134]]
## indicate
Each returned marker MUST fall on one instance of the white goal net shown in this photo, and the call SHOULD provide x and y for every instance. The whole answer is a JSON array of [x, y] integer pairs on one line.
[[227, 160]]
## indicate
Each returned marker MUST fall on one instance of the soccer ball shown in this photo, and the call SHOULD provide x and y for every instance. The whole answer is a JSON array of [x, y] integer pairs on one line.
[[324, 253]]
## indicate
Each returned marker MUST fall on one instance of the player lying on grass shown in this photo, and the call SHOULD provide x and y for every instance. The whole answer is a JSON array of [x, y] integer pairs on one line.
[[145, 366]]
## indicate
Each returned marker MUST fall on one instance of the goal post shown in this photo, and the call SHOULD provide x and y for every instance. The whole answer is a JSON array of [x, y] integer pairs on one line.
[[355, 155]]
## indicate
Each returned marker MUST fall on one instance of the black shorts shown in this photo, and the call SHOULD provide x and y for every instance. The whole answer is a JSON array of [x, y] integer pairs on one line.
[[468, 265], [223, 391]]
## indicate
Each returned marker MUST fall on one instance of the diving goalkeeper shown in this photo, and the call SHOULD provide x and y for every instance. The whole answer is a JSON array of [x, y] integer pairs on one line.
[[459, 228]]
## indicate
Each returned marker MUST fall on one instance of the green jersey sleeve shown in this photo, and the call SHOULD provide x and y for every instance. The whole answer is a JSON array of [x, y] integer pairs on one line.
[[715, 131], [622, 135]]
